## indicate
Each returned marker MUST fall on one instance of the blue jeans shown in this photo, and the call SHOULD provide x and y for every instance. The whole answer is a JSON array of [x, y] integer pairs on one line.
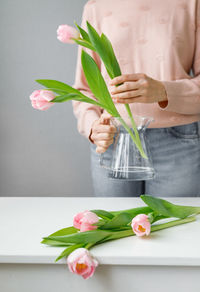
[[175, 154]]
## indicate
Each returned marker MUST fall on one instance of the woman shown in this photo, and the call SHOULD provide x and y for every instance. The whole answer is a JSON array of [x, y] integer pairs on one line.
[[157, 44]]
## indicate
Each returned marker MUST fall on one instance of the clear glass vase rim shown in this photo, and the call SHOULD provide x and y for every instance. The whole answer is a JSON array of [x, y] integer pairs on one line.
[[136, 116], [142, 121]]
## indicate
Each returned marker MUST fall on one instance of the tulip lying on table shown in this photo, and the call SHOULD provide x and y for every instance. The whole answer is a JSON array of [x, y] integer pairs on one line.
[[92, 227]]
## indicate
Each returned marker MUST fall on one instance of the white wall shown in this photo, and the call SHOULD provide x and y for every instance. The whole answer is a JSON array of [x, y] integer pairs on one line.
[[42, 153]]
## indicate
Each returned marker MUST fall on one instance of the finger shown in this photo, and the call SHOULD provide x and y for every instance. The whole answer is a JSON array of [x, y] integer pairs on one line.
[[104, 136], [126, 95], [127, 77], [106, 115], [127, 86], [140, 99], [100, 150], [105, 129], [105, 120], [104, 144]]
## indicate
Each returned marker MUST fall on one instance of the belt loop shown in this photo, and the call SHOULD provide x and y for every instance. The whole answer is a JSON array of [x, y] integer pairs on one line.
[[198, 125]]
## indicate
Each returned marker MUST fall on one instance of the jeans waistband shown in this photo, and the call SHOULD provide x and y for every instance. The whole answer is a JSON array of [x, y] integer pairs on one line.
[[198, 125]]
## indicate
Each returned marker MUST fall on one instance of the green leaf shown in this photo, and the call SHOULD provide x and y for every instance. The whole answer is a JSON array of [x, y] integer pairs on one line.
[[84, 44], [66, 97], [159, 217], [70, 93], [134, 211], [105, 50], [65, 231], [58, 91], [165, 208], [54, 243], [118, 221], [103, 214], [83, 33], [172, 223], [74, 96], [97, 83], [97, 43], [113, 60], [100, 49], [68, 250], [125, 233], [57, 85], [81, 237], [99, 223], [61, 232]]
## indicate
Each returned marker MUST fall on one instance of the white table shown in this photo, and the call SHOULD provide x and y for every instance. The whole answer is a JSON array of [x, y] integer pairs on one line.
[[168, 260]]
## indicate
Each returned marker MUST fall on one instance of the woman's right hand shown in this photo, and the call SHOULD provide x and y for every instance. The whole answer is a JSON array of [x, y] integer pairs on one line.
[[102, 133]]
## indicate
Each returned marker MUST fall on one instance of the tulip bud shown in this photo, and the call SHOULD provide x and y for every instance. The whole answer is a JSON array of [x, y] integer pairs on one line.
[[65, 33], [84, 221], [141, 225], [40, 99], [80, 262]]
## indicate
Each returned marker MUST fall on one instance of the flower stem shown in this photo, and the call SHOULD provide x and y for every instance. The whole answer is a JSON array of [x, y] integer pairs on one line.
[[132, 121], [172, 223], [133, 211], [89, 245], [126, 233], [134, 138]]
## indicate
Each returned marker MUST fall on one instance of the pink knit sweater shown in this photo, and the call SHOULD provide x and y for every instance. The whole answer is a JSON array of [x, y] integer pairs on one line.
[[158, 38]]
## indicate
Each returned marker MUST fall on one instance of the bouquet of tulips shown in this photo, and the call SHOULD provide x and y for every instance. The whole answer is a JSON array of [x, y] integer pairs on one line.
[[43, 99], [93, 227]]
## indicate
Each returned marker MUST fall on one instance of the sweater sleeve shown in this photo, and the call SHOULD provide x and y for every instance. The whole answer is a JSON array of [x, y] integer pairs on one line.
[[85, 113], [184, 95]]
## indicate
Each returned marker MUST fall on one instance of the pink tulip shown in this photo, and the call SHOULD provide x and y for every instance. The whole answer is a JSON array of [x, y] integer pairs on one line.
[[65, 33], [84, 221], [80, 262], [40, 99], [141, 225]]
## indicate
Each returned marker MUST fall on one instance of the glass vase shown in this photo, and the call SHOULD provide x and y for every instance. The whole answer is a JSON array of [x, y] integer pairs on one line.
[[125, 160]]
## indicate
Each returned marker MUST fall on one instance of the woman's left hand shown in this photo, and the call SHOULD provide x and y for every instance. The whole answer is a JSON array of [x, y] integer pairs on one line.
[[137, 87]]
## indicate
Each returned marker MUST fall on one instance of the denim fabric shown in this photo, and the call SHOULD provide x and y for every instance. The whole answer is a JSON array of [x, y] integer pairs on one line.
[[175, 153]]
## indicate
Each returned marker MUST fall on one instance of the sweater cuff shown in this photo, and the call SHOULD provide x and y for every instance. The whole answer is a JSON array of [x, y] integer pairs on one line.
[[91, 116], [171, 103]]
